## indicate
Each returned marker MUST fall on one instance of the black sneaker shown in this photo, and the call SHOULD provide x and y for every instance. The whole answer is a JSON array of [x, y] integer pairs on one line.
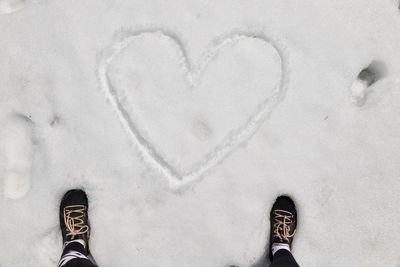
[[74, 221], [283, 222]]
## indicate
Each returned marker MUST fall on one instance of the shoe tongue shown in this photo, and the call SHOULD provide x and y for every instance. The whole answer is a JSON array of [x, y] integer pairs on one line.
[[75, 214], [75, 207], [75, 210]]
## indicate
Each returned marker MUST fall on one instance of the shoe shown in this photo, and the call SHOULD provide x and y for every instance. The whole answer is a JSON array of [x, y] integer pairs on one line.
[[74, 221], [283, 220]]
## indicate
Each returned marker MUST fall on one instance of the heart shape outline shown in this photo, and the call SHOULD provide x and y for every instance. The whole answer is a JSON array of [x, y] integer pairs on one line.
[[178, 181]]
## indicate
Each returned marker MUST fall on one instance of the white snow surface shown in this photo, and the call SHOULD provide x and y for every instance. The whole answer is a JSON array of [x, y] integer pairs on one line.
[[183, 120]]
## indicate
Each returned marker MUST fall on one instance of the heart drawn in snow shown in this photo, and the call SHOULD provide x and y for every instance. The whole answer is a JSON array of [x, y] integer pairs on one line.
[[185, 118]]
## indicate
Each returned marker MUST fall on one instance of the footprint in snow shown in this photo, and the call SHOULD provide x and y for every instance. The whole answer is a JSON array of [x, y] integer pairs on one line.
[[362, 86], [16, 152], [11, 6]]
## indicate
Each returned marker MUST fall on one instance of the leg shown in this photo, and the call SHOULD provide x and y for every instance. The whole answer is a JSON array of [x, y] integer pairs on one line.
[[75, 229], [283, 228], [283, 258], [74, 255]]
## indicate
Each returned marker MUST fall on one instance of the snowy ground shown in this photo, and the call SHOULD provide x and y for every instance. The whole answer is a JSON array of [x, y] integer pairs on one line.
[[184, 119]]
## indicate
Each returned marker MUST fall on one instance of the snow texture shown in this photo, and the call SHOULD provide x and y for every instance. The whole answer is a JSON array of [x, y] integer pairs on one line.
[[17, 151], [183, 120], [186, 106]]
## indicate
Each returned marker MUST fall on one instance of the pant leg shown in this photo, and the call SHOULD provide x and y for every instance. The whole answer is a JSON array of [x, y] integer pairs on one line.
[[74, 255], [79, 263], [283, 258]]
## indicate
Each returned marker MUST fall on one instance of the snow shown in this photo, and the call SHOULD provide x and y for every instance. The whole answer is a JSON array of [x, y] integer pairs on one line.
[[17, 148], [183, 120]]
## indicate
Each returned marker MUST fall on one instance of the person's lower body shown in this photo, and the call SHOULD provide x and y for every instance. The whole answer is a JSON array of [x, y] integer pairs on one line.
[[283, 258], [75, 255], [283, 218], [75, 229]]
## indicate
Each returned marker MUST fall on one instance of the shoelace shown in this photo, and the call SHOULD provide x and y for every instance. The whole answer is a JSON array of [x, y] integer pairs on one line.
[[74, 218], [282, 221]]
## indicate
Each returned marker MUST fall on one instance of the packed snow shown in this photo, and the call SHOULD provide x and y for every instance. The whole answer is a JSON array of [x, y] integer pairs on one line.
[[183, 121]]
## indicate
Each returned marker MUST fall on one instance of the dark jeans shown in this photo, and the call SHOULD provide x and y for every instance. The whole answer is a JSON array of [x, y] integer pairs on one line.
[[282, 258]]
